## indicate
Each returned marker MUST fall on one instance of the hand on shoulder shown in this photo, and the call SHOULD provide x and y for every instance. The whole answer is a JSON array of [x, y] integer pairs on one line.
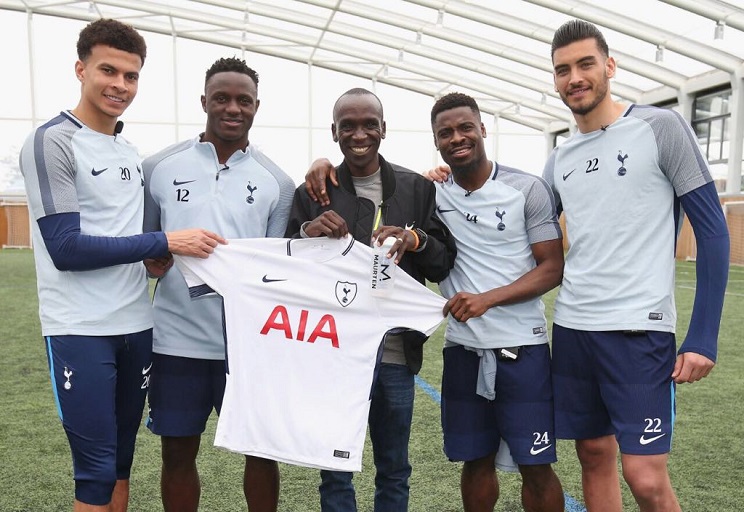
[[315, 180], [439, 174]]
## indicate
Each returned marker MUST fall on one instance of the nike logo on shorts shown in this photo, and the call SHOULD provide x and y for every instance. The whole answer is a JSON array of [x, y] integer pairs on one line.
[[644, 441], [177, 183], [145, 371], [538, 451], [96, 173], [442, 210]]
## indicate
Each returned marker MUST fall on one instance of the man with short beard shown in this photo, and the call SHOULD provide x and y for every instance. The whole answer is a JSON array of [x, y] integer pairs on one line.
[[620, 181]]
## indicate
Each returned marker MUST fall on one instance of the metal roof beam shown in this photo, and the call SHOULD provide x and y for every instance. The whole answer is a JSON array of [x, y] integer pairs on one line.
[[504, 21], [713, 10], [468, 41], [350, 68], [407, 46], [645, 32], [359, 53]]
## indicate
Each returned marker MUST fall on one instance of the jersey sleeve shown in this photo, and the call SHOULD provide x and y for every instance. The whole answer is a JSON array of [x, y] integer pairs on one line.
[[277, 222], [411, 305], [540, 213], [680, 157], [151, 220], [549, 177], [191, 269], [70, 249], [713, 245], [48, 165], [438, 256], [216, 274], [279, 216], [301, 211]]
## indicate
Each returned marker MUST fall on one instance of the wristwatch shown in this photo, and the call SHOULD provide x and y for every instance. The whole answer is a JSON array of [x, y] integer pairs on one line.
[[423, 238]]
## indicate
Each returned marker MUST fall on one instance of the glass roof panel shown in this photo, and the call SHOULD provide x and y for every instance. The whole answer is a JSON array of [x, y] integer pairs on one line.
[[500, 49]]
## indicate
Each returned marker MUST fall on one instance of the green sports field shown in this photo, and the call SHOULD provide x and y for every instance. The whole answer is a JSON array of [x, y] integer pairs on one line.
[[707, 462]]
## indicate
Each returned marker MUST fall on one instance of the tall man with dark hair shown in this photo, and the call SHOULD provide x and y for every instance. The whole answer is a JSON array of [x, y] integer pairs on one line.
[[620, 180], [496, 378], [374, 201], [220, 181], [84, 185]]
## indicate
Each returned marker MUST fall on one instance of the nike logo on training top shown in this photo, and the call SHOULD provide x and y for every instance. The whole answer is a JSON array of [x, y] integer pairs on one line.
[[177, 183], [96, 173], [441, 210], [565, 176], [645, 441], [537, 451], [266, 279]]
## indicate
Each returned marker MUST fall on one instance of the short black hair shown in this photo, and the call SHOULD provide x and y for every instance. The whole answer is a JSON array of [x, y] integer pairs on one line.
[[578, 30], [235, 64], [453, 100], [358, 91], [111, 33]]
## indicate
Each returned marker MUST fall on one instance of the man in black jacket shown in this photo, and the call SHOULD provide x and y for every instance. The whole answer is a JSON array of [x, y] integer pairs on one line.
[[377, 200]]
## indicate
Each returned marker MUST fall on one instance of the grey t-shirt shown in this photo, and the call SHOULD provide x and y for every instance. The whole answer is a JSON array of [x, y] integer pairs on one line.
[[370, 187]]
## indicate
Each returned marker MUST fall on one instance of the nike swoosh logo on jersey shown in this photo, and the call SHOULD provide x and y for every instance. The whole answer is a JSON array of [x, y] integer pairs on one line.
[[145, 371], [537, 451], [177, 183], [96, 173], [645, 441], [565, 176], [442, 210], [266, 279]]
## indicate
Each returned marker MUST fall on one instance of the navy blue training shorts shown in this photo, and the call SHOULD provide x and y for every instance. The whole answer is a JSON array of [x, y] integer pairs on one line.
[[613, 382], [99, 385], [521, 413], [183, 392]]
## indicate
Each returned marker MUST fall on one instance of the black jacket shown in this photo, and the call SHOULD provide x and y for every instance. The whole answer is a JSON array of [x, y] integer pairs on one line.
[[408, 199]]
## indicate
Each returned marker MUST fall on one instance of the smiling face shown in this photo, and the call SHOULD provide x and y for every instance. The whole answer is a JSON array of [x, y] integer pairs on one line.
[[230, 100], [458, 135], [109, 80], [358, 128], [582, 76]]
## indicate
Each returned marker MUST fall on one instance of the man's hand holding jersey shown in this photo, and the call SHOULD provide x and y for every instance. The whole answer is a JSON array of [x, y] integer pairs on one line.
[[197, 242], [405, 240], [328, 223]]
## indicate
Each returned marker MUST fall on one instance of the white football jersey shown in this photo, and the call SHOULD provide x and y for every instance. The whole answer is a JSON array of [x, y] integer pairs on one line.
[[304, 334]]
